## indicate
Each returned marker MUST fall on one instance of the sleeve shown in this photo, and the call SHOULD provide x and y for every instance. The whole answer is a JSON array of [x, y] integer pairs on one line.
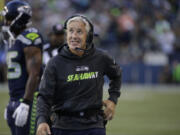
[[46, 93], [113, 72], [31, 37]]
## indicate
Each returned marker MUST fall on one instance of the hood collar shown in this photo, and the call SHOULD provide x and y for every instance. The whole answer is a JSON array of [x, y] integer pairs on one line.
[[65, 52]]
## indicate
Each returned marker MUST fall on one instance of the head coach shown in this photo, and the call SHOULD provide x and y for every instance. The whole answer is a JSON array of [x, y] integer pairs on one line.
[[72, 85]]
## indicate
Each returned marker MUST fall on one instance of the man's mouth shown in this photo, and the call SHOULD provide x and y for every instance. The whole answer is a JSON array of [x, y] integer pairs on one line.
[[74, 41]]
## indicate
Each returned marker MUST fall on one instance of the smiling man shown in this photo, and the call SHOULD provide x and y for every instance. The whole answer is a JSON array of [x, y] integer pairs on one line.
[[76, 35], [72, 85]]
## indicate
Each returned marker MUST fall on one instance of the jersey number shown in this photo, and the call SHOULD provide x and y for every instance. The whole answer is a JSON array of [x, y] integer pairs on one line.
[[14, 68]]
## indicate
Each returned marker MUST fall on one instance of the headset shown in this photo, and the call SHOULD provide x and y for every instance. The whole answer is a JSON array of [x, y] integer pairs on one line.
[[90, 35]]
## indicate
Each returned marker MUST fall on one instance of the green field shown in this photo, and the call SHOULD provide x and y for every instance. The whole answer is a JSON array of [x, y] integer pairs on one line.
[[142, 110]]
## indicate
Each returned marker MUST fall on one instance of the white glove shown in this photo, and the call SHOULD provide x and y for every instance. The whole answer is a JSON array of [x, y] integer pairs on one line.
[[21, 114], [5, 113]]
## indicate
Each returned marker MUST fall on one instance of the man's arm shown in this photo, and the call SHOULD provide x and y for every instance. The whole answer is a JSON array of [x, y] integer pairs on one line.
[[113, 72], [33, 56], [33, 63]]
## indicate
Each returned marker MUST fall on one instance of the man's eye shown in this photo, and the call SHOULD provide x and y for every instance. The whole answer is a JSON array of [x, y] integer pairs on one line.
[[79, 32], [71, 31]]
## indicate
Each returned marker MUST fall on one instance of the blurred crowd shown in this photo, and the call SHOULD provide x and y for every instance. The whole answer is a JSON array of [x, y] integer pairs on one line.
[[133, 31]]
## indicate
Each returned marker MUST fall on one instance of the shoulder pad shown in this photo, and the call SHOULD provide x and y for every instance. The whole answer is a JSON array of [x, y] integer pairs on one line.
[[24, 40], [30, 37], [31, 34]]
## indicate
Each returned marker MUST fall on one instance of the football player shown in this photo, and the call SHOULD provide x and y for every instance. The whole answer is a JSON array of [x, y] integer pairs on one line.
[[24, 59]]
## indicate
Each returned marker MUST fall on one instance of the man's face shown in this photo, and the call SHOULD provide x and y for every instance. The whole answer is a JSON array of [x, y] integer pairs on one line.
[[76, 35], [56, 40]]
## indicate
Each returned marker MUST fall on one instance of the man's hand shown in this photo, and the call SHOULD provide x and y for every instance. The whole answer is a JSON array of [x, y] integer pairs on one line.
[[109, 109], [43, 129], [21, 114]]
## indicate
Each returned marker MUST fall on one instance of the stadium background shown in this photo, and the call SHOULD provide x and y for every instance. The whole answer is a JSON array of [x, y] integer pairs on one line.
[[144, 38]]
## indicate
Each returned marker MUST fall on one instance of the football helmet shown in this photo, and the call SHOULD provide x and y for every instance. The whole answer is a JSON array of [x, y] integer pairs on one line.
[[17, 15]]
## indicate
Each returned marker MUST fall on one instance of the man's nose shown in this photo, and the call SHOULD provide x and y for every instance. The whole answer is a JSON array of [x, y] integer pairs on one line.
[[74, 34]]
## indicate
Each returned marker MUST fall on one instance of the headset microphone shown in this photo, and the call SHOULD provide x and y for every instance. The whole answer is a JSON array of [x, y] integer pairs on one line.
[[80, 49], [86, 50]]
